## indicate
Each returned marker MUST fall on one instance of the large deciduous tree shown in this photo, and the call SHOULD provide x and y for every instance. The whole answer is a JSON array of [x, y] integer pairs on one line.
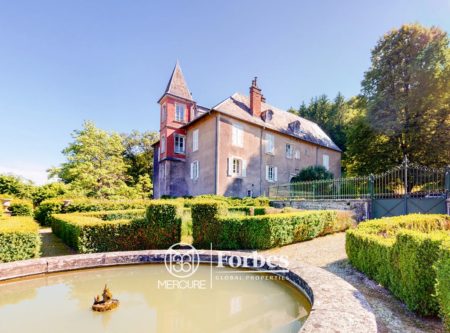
[[95, 163], [407, 90]]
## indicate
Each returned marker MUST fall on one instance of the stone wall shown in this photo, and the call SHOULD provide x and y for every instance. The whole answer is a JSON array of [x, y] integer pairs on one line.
[[361, 207]]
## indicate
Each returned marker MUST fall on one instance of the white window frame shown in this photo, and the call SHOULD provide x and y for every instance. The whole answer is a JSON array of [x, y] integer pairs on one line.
[[297, 154], [326, 161], [237, 135], [271, 173], [178, 151], [195, 170], [192, 113], [180, 118], [270, 144], [232, 162], [289, 153], [163, 144], [195, 140]]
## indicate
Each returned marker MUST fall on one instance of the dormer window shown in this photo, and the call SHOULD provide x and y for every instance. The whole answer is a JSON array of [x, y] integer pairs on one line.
[[164, 112], [295, 127], [267, 115], [179, 112]]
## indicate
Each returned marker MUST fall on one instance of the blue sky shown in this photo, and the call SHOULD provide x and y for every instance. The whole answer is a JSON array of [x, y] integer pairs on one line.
[[63, 62]]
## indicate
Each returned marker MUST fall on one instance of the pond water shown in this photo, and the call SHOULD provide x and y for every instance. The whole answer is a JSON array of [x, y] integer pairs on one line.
[[152, 300]]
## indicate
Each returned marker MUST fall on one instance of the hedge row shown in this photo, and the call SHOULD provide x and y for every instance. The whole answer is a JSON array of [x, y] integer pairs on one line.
[[400, 253], [212, 225], [110, 215], [20, 207], [88, 233], [19, 239], [57, 206], [443, 282]]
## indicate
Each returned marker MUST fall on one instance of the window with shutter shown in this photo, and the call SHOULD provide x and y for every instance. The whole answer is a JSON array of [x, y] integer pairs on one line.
[[237, 135], [270, 143], [326, 161], [195, 140]]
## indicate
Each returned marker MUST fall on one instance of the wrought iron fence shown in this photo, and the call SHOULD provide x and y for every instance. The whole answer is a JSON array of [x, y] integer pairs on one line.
[[405, 180]]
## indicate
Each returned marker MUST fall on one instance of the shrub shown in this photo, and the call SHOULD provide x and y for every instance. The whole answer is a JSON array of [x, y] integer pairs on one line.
[[19, 239], [52, 206], [400, 253], [442, 268], [20, 207], [316, 172], [120, 230], [211, 225]]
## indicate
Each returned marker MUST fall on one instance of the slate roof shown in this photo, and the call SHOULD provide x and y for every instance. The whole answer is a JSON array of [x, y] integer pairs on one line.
[[177, 85], [238, 106]]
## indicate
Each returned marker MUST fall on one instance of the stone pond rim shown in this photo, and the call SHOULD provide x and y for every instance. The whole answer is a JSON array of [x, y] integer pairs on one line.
[[336, 305]]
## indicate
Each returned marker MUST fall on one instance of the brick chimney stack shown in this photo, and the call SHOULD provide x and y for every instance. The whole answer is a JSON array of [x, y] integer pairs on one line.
[[255, 99]]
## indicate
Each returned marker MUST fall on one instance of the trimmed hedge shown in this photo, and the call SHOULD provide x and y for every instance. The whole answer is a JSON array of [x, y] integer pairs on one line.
[[56, 206], [212, 225], [21, 207], [400, 253], [88, 233], [19, 239], [442, 268], [111, 215]]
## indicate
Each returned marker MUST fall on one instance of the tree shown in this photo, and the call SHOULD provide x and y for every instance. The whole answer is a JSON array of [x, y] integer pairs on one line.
[[138, 155], [317, 172], [407, 89], [95, 162], [329, 115], [15, 186]]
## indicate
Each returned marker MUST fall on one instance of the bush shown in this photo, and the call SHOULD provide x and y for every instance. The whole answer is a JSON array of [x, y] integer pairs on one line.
[[442, 268], [101, 232], [212, 225], [400, 253], [20, 207], [316, 172], [52, 206], [19, 239]]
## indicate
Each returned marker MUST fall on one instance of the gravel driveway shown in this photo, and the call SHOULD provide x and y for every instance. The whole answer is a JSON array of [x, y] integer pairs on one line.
[[328, 252]]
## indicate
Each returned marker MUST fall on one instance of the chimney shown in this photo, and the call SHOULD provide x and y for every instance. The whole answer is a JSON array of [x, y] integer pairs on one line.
[[255, 99]]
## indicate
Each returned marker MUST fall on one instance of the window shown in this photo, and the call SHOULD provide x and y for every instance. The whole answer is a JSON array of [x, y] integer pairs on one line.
[[326, 161], [236, 167], [164, 112], [179, 144], [195, 170], [297, 154], [271, 173], [195, 140], [192, 116], [289, 150], [179, 112], [163, 144], [270, 143], [237, 135], [250, 193]]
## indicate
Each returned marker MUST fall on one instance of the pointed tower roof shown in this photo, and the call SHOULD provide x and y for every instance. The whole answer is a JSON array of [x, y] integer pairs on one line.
[[177, 84]]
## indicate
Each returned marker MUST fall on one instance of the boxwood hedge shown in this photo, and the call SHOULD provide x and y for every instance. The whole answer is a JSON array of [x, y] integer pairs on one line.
[[59, 206], [19, 239], [211, 224], [20, 207], [400, 253], [442, 268], [100, 232]]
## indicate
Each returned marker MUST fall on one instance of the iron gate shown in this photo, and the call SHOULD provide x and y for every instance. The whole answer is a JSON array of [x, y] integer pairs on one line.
[[409, 188]]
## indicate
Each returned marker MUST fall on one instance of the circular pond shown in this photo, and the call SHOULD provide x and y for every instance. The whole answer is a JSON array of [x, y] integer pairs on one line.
[[152, 300]]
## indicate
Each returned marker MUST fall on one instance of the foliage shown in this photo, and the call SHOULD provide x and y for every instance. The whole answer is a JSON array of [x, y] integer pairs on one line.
[[110, 215], [329, 115], [88, 233], [19, 239], [443, 282], [407, 89], [20, 207], [316, 172], [400, 253], [52, 206], [138, 156], [95, 162], [15, 187], [212, 225], [49, 191]]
